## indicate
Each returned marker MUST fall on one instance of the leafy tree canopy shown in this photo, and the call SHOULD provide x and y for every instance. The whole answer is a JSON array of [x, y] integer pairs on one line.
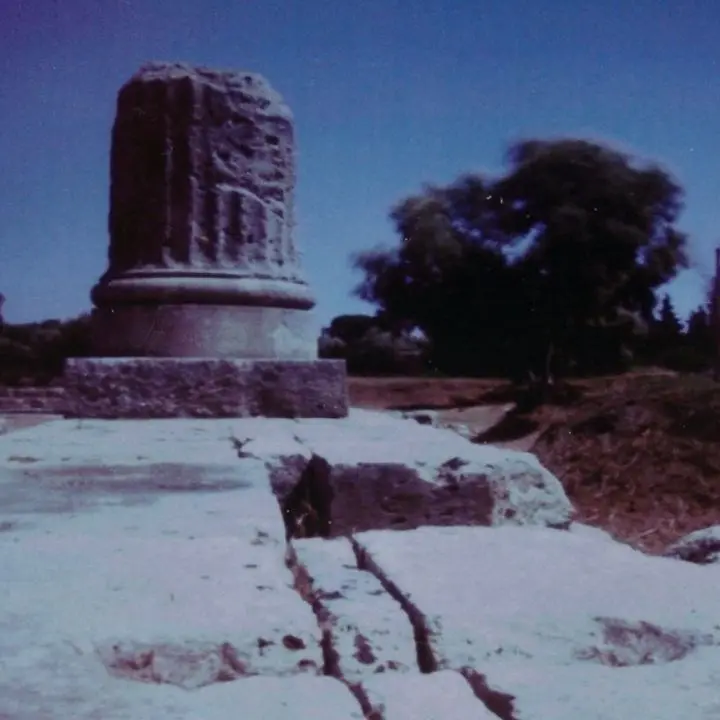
[[566, 247]]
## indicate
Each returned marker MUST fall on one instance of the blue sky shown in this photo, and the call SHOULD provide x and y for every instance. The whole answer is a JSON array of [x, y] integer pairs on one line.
[[387, 95]]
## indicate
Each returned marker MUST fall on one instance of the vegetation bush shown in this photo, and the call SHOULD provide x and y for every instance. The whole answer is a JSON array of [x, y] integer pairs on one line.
[[35, 353]]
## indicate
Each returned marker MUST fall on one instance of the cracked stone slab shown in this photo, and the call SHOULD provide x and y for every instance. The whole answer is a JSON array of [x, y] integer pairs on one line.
[[701, 547], [370, 632], [686, 689], [154, 572], [120, 442], [386, 472], [389, 473], [184, 610], [78, 690], [412, 696], [484, 595]]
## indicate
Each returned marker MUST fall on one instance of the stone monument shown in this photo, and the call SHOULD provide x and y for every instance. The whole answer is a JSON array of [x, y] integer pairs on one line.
[[203, 309]]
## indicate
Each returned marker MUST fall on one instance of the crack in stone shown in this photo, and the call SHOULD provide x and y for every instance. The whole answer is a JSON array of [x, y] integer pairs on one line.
[[500, 704], [307, 511], [331, 660], [426, 660]]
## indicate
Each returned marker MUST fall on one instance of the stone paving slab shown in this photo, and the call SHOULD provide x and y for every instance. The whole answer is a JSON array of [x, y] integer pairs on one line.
[[369, 629], [144, 566], [82, 692], [442, 695], [687, 689], [386, 473], [128, 570], [10, 422], [120, 442], [567, 624], [545, 596]]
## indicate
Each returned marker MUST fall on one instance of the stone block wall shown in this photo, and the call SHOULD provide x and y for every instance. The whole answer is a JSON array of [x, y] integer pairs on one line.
[[45, 400]]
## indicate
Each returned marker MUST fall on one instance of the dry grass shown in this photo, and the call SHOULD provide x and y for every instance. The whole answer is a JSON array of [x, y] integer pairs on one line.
[[638, 454], [641, 457], [418, 393]]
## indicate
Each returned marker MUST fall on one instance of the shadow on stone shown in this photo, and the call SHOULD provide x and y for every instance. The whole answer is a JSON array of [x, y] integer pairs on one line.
[[307, 511]]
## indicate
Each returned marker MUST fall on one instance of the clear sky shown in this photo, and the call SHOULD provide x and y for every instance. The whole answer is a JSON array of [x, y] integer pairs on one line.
[[387, 95]]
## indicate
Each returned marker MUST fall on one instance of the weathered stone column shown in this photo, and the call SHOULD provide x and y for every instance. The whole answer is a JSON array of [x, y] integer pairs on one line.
[[202, 259], [203, 310]]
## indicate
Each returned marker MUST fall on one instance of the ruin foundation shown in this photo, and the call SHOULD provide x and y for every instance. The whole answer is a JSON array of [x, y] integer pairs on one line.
[[204, 388]]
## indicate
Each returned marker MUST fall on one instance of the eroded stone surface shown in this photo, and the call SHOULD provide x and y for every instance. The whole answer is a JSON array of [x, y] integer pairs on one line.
[[202, 177], [143, 575], [686, 689], [545, 597], [701, 547], [390, 473], [202, 260], [75, 689], [385, 473], [413, 696], [368, 630], [204, 388]]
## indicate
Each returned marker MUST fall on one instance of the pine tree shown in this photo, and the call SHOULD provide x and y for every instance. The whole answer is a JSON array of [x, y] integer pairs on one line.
[[699, 335], [667, 329]]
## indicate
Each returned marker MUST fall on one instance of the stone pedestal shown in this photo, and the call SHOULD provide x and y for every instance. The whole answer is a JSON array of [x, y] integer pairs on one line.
[[113, 388], [202, 262], [226, 331]]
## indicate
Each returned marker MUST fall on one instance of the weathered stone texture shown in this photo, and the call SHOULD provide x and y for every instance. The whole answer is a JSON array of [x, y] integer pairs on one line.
[[202, 262], [199, 330], [42, 400], [202, 182], [204, 388], [701, 547], [218, 146]]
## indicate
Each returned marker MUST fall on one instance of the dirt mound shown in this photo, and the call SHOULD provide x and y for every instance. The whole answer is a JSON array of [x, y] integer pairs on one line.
[[639, 455]]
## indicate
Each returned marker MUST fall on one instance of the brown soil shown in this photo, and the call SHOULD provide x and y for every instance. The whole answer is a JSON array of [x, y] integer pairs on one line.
[[638, 454], [20, 421], [418, 393]]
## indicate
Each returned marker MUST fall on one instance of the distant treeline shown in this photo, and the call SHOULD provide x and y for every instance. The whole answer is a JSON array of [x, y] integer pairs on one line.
[[371, 347], [35, 353], [550, 270]]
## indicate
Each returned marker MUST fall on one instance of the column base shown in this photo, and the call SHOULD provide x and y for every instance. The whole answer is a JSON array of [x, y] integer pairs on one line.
[[114, 388], [189, 330]]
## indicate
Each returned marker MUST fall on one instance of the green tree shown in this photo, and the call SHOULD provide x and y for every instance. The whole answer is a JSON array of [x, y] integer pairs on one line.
[[700, 340], [563, 251], [351, 328], [36, 352], [603, 236], [370, 346], [667, 329], [448, 277]]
